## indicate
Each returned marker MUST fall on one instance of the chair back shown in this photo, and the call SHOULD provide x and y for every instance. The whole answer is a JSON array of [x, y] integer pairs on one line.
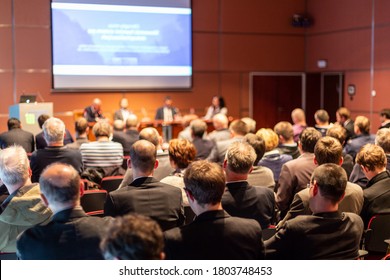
[[111, 183], [378, 231], [93, 201]]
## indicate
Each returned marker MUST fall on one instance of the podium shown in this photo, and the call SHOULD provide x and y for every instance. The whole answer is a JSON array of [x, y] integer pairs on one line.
[[28, 114]]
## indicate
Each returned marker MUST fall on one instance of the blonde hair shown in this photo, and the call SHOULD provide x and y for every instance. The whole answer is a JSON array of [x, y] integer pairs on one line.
[[270, 138]]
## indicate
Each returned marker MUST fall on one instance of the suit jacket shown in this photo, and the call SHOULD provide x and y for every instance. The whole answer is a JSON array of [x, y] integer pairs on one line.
[[40, 141], [218, 152], [91, 115], [349, 127], [163, 170], [203, 147], [294, 176], [40, 159], [353, 145], [76, 144], [322, 236], [215, 235], [352, 202], [18, 136], [71, 235], [160, 113], [261, 176], [242, 200], [376, 196], [220, 135], [126, 139], [118, 114], [149, 197]]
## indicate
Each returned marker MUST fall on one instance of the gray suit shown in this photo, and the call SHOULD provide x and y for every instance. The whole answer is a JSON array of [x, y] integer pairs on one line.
[[218, 152]]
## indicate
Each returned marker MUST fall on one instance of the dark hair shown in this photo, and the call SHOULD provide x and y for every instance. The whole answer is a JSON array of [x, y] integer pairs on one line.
[[338, 132], [133, 237], [308, 139], [331, 180], [81, 125], [143, 155], [385, 113], [328, 150], [13, 123], [205, 181], [41, 120], [221, 101]]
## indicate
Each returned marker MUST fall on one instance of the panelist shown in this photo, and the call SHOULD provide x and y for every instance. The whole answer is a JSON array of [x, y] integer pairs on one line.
[[123, 113], [93, 113], [167, 113]]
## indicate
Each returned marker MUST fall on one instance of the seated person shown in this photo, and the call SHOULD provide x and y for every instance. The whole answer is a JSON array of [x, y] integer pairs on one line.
[[363, 136], [40, 141], [214, 234], [94, 112], [221, 130], [240, 199], [23, 208], [343, 117], [133, 237], [327, 234], [145, 195], [82, 130], [322, 121], [287, 145], [299, 122], [218, 106], [71, 234], [17, 136], [203, 146]]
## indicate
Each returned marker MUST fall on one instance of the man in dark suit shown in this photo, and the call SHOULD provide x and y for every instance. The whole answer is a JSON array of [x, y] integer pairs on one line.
[[16, 135], [146, 195], [363, 136], [126, 137], [94, 112], [71, 235], [53, 130], [328, 233], [343, 117], [372, 160], [214, 234], [40, 141], [203, 146], [167, 112], [241, 199]]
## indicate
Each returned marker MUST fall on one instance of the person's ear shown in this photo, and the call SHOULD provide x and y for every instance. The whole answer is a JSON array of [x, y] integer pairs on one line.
[[341, 161], [156, 164], [315, 188], [129, 163], [44, 200], [315, 161], [224, 164], [250, 170], [81, 186]]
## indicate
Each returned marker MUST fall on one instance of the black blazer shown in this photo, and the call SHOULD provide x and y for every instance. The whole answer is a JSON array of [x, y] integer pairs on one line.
[[160, 113], [215, 235], [242, 200], [71, 235], [18, 136], [149, 197]]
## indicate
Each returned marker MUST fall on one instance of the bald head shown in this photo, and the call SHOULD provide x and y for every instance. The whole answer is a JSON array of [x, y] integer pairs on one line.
[[143, 156], [60, 183], [132, 121], [96, 104], [298, 116], [119, 125], [150, 134], [220, 121]]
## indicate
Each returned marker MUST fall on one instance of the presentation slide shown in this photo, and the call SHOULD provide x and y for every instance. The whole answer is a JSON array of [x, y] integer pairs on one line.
[[121, 44]]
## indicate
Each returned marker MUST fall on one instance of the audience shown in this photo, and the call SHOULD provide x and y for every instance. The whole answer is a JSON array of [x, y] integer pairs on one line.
[[133, 237], [16, 135], [287, 145], [40, 141], [23, 208], [54, 131], [221, 130], [202, 145], [373, 161], [181, 154], [82, 130], [146, 195], [251, 124], [363, 136], [241, 199], [322, 121], [299, 122], [186, 121], [260, 176], [213, 235], [296, 173], [327, 234], [71, 234], [327, 150], [272, 158]]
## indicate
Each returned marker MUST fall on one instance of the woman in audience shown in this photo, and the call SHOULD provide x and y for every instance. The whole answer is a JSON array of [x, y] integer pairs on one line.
[[181, 153], [272, 158], [218, 106]]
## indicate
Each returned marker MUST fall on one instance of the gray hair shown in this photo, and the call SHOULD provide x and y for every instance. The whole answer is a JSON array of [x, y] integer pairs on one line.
[[53, 130], [14, 166], [382, 139], [240, 157]]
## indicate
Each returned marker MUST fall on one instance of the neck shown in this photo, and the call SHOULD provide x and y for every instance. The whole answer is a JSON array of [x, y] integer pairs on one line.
[[102, 138], [58, 207], [372, 174], [324, 207], [233, 177], [199, 209], [14, 188], [138, 173], [55, 144]]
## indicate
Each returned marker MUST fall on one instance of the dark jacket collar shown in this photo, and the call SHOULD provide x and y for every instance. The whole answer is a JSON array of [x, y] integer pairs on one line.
[[143, 180], [212, 215], [68, 214], [237, 184], [377, 178], [331, 215]]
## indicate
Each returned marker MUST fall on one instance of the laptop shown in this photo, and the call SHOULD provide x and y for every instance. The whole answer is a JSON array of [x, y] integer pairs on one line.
[[27, 98]]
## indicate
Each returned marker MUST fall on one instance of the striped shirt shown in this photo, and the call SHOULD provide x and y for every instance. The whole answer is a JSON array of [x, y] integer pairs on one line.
[[101, 154]]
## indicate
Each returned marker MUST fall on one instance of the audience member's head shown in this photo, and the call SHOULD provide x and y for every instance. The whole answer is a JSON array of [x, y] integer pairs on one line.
[[329, 180], [270, 138], [285, 132], [150, 134], [81, 126], [321, 117], [198, 128], [308, 139], [385, 113], [41, 119], [132, 122], [338, 132], [238, 128], [220, 121], [362, 125], [187, 119], [342, 115], [257, 144], [182, 152], [205, 190], [14, 167], [239, 158], [328, 150], [372, 157], [298, 116], [143, 157], [102, 129], [251, 124], [54, 131], [60, 186], [119, 125], [13, 123], [382, 139], [133, 237]]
